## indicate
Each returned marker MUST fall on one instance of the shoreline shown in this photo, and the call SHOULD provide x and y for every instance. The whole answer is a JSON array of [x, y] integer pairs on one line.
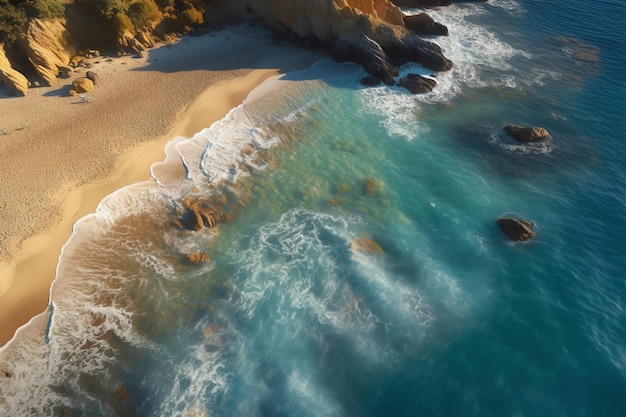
[[176, 67]]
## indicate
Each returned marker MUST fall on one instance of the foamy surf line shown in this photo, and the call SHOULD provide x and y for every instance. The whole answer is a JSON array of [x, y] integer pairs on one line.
[[218, 152], [75, 305]]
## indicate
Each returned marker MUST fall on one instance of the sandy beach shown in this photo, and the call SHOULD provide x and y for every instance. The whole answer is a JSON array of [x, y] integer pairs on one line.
[[60, 156]]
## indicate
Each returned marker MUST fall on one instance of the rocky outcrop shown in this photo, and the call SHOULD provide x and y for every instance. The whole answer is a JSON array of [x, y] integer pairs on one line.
[[423, 24], [516, 229], [368, 32], [14, 80], [417, 84], [428, 3], [135, 43], [366, 52], [526, 134], [47, 46], [199, 214]]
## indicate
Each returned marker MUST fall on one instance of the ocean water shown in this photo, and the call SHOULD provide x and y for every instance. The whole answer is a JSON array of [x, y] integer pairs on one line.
[[287, 318]]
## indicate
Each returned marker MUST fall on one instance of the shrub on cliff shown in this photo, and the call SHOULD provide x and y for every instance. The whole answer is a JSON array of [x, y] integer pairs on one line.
[[12, 19], [44, 9], [143, 12], [98, 24], [15, 13], [191, 17]]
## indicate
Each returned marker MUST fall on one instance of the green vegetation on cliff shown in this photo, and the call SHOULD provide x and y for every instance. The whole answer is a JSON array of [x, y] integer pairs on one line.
[[15, 13], [110, 18]]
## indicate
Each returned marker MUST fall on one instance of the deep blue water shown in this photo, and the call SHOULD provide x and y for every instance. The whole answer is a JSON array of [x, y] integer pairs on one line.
[[287, 319]]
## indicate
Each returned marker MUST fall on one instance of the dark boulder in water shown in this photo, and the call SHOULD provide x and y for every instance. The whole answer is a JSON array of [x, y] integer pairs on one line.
[[526, 134], [516, 229], [370, 81], [423, 24], [417, 84]]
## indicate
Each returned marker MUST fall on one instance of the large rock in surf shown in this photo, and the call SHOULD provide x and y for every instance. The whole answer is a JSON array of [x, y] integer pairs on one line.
[[423, 24], [417, 84], [516, 229], [527, 133], [199, 214], [13, 79]]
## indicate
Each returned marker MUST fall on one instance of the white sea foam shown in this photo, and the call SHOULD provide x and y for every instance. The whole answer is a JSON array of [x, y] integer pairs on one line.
[[477, 53], [167, 173], [201, 372], [536, 148], [311, 396], [480, 60], [512, 6]]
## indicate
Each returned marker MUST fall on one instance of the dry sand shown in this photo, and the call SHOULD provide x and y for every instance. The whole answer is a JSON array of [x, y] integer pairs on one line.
[[60, 157]]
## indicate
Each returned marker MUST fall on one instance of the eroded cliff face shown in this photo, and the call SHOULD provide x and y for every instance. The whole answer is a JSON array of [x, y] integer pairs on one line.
[[327, 19], [48, 46], [15, 80]]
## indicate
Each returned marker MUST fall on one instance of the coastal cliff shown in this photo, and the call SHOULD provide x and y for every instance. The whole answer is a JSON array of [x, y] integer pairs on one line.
[[370, 33]]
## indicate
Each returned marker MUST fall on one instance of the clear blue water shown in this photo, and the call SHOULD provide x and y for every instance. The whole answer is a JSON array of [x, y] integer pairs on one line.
[[286, 319]]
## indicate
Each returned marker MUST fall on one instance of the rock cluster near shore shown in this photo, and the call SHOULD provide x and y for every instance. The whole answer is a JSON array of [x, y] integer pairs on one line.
[[374, 34], [370, 33]]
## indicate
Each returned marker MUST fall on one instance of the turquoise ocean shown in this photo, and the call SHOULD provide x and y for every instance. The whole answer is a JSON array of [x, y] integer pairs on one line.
[[286, 318]]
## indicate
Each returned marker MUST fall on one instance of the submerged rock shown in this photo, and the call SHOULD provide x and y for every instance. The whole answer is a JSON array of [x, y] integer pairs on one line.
[[516, 229], [197, 257], [365, 245], [372, 187], [526, 134]]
